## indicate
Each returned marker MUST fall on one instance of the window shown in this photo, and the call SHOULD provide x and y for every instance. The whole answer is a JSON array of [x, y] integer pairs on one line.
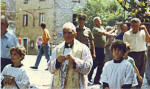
[[41, 18], [26, 1], [76, 1], [25, 20], [25, 43]]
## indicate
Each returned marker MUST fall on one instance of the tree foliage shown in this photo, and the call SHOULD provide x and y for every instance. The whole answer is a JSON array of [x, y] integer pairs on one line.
[[108, 10], [137, 8]]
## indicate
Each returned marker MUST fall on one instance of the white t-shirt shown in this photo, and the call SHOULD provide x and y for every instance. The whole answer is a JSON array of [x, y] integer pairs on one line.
[[137, 41]]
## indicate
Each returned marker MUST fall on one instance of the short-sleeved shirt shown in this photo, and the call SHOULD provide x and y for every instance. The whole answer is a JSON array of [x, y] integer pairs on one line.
[[46, 36], [137, 41], [120, 36], [84, 35], [8, 41], [99, 39]]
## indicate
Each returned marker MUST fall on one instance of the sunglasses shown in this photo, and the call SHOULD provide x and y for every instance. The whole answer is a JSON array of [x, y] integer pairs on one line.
[[81, 18]]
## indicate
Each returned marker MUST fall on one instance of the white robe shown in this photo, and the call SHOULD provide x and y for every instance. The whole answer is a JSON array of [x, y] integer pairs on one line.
[[20, 75], [117, 74], [83, 65]]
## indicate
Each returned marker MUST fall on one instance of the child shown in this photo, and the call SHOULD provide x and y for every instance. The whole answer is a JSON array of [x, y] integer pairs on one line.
[[108, 53], [117, 73], [14, 76], [131, 60], [39, 43]]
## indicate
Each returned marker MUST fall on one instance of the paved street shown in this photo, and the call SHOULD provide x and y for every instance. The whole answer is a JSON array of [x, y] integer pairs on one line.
[[41, 79]]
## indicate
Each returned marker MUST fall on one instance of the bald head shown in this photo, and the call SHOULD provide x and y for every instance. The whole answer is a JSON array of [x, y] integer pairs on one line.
[[4, 24], [69, 26], [4, 18], [69, 32], [97, 21], [96, 18]]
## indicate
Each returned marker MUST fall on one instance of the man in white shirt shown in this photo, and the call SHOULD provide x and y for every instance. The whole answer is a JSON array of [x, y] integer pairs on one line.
[[137, 37], [71, 61]]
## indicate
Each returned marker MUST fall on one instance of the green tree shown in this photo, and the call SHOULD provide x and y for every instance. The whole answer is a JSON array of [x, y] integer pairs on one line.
[[108, 10]]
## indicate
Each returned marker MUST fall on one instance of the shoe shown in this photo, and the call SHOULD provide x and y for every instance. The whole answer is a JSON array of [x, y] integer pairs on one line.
[[89, 80], [34, 67], [90, 83], [97, 83], [46, 69]]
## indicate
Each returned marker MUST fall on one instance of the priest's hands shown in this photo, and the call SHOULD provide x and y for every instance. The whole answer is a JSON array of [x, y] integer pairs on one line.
[[69, 57]]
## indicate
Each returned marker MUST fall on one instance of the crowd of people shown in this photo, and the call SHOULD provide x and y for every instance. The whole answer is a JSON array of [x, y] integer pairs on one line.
[[120, 58]]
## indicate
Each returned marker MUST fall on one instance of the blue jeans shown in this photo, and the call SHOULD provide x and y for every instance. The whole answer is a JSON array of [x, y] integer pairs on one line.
[[43, 50]]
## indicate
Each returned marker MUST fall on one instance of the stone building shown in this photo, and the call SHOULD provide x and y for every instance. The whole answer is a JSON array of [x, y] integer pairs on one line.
[[29, 14], [64, 12]]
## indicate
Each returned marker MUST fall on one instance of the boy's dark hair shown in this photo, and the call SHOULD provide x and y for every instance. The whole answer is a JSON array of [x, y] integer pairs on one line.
[[43, 25], [82, 16], [19, 49], [118, 44]]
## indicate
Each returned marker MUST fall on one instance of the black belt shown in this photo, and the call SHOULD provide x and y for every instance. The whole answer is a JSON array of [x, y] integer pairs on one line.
[[138, 52]]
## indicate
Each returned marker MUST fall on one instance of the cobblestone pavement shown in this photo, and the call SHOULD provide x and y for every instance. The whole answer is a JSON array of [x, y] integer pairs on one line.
[[41, 79]]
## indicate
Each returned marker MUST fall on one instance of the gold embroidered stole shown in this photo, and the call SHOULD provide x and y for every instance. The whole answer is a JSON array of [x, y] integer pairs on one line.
[[72, 80]]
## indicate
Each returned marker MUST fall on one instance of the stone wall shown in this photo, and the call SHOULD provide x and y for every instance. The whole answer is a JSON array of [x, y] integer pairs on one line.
[[33, 9], [56, 13], [64, 13]]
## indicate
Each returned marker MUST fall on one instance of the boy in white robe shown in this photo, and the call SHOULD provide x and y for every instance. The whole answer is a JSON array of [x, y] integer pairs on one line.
[[13, 75], [117, 73]]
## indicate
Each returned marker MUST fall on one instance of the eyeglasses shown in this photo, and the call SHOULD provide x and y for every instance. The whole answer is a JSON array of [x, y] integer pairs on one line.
[[81, 19], [67, 32]]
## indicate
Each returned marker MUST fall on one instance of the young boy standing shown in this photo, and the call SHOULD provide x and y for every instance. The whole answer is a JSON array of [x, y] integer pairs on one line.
[[117, 73], [14, 76]]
